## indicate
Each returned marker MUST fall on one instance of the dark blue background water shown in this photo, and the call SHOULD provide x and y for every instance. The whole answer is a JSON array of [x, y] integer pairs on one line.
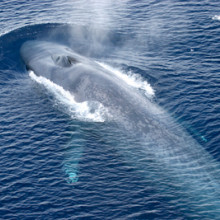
[[175, 46]]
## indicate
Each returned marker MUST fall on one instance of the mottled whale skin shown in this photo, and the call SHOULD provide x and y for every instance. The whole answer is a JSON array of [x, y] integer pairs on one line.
[[165, 143]]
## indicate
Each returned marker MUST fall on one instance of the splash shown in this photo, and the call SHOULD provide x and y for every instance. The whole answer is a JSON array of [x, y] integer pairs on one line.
[[86, 111], [134, 80], [216, 17]]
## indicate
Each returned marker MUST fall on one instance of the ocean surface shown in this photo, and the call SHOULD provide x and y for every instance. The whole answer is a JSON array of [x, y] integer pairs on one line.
[[61, 160]]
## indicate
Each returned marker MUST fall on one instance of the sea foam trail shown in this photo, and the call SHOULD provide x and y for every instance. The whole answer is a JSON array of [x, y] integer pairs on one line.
[[85, 111], [131, 79]]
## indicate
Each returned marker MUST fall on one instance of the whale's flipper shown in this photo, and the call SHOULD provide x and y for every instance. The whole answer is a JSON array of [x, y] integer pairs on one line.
[[72, 157]]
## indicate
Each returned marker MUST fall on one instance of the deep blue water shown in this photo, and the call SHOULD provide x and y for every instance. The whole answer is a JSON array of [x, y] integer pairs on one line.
[[175, 46]]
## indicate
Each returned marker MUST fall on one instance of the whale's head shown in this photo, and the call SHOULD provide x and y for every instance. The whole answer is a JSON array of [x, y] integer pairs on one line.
[[47, 54], [64, 67]]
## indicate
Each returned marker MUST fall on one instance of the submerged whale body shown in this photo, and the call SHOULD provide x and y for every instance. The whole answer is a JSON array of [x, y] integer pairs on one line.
[[189, 167]]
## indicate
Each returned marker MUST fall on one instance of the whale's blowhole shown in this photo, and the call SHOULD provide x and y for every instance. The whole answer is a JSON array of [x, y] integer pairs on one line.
[[64, 60]]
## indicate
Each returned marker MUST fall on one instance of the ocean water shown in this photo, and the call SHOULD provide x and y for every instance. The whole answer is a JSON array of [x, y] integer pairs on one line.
[[168, 51]]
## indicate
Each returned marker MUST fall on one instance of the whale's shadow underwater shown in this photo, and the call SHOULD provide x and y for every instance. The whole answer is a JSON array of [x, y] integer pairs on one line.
[[164, 143]]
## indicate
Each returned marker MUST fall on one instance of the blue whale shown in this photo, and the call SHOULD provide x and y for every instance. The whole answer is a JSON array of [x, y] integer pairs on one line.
[[164, 143]]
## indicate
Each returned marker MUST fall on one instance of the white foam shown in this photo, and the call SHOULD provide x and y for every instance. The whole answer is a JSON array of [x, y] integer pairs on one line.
[[132, 79], [216, 17], [86, 111]]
